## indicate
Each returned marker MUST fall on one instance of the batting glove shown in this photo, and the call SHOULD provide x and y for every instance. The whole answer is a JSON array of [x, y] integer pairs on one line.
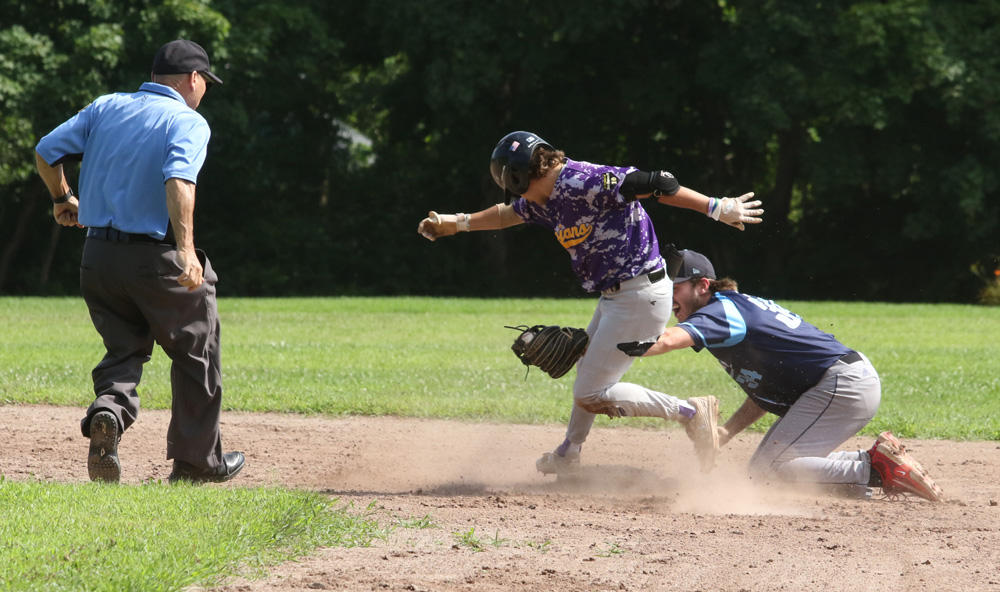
[[437, 225], [735, 211]]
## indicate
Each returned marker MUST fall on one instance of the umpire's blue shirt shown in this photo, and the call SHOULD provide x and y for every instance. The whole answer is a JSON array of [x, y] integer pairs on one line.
[[769, 351], [130, 143]]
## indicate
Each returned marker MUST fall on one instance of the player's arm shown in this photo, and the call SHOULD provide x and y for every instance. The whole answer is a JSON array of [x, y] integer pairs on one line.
[[672, 338], [734, 211], [65, 204], [492, 218], [687, 198], [747, 415]]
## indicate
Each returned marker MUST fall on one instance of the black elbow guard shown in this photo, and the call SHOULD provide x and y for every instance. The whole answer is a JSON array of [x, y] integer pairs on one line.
[[640, 183]]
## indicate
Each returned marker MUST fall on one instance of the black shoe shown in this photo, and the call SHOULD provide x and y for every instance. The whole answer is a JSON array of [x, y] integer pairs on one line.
[[232, 464], [102, 462]]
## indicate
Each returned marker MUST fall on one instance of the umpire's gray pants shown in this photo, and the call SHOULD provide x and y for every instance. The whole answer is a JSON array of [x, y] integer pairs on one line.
[[799, 446], [134, 301]]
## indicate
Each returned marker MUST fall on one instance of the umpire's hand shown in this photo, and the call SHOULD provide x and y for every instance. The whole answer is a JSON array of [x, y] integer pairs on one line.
[[192, 273], [66, 213]]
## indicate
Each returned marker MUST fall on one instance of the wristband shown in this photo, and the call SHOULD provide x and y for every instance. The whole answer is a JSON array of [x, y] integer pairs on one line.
[[463, 221], [64, 197], [713, 208]]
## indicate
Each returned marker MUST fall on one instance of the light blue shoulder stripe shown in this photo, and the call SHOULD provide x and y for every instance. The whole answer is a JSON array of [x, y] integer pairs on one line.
[[737, 324], [692, 329]]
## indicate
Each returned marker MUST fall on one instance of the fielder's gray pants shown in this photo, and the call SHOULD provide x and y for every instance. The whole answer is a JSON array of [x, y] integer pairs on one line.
[[134, 299], [638, 311], [799, 446]]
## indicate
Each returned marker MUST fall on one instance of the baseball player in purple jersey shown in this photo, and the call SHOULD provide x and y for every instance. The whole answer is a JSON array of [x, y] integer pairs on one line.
[[595, 214], [822, 391]]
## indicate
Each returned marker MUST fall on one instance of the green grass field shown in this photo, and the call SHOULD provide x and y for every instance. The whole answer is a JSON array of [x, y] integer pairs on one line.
[[421, 357], [451, 358], [95, 537]]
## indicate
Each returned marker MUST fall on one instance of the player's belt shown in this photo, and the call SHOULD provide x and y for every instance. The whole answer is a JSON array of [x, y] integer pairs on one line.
[[851, 357], [117, 236], [653, 277]]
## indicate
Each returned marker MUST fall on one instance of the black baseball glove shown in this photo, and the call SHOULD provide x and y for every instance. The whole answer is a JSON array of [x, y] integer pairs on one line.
[[636, 348], [552, 348]]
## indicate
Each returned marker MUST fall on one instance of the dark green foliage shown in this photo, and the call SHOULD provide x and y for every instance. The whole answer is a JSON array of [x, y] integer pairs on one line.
[[869, 130]]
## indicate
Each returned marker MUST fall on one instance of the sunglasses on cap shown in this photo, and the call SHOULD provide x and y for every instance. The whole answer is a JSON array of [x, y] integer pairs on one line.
[[208, 81]]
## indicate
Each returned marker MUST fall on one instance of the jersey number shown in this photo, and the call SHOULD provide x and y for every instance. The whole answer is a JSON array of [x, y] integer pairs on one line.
[[749, 378], [790, 319]]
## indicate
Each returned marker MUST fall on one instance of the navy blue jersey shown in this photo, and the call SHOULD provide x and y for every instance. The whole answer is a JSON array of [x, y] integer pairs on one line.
[[770, 352]]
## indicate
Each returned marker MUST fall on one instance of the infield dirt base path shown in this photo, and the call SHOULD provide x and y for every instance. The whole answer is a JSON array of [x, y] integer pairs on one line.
[[641, 517]]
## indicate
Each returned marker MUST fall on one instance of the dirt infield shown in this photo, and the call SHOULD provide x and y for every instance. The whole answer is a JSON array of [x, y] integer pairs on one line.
[[640, 518]]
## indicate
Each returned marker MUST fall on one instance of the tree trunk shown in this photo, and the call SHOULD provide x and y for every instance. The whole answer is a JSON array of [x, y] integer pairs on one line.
[[778, 203]]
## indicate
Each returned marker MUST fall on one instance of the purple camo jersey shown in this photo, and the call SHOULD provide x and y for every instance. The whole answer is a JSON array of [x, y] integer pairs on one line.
[[608, 239]]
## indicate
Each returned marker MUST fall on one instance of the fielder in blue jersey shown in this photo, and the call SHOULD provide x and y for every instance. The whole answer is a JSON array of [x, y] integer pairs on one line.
[[822, 391], [596, 214]]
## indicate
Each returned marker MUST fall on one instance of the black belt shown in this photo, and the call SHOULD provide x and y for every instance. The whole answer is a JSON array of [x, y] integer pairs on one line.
[[653, 276], [117, 236], [851, 357]]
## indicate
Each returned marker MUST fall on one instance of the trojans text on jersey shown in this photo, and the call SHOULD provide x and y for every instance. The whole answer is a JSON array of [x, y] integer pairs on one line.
[[571, 237]]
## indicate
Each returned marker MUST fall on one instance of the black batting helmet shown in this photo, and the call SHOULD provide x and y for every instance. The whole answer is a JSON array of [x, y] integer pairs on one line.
[[510, 161]]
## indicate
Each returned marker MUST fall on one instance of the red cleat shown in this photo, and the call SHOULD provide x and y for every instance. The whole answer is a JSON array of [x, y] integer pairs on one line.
[[900, 472]]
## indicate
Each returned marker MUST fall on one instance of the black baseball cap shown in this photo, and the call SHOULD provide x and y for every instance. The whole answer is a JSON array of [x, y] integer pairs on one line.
[[694, 266], [183, 57]]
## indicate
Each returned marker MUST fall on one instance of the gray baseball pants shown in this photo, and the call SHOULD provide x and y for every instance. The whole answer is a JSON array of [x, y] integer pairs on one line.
[[638, 311], [134, 300], [799, 446]]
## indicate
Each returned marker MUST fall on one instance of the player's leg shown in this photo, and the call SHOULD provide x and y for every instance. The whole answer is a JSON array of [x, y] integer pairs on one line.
[[565, 458], [799, 447], [580, 420], [634, 314], [640, 314]]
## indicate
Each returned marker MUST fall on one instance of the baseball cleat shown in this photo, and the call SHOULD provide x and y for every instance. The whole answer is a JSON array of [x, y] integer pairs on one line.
[[703, 429], [102, 461], [551, 463], [900, 472]]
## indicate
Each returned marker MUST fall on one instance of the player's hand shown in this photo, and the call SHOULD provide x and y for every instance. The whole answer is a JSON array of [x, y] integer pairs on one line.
[[437, 225], [192, 273], [737, 211]]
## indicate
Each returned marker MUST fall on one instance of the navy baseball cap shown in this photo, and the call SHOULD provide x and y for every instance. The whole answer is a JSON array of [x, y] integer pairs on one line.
[[694, 266], [183, 57]]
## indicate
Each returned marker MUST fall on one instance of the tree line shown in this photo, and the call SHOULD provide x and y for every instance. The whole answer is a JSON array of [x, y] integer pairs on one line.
[[867, 128]]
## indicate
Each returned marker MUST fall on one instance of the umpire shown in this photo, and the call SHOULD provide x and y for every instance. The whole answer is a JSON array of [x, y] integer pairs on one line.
[[141, 276]]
